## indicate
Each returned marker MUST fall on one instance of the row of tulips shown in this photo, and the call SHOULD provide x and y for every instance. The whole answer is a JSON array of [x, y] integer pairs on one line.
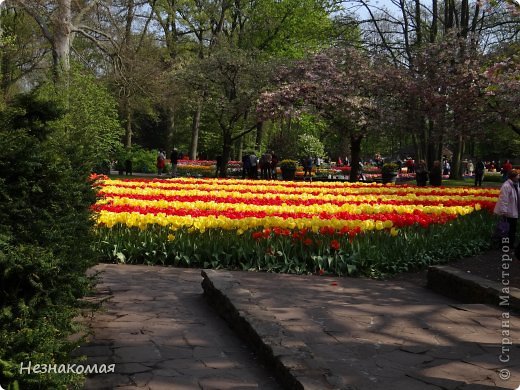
[[340, 228]]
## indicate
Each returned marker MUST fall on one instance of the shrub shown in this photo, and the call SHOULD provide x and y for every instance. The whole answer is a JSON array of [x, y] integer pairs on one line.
[[45, 241], [143, 160], [288, 164], [389, 168], [309, 145]]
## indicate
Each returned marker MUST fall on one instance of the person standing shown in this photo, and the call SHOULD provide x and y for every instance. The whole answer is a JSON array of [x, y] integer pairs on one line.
[[446, 168], [307, 167], [161, 162], [218, 165], [274, 163], [436, 174], [253, 166], [174, 159], [128, 167], [506, 167], [471, 168], [265, 165], [317, 162], [479, 173], [421, 173], [246, 165], [508, 204], [410, 165]]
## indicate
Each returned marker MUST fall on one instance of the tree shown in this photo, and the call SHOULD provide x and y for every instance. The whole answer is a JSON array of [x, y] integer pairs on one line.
[[56, 26], [233, 79], [342, 86], [21, 50], [408, 35], [264, 29], [90, 129], [503, 93]]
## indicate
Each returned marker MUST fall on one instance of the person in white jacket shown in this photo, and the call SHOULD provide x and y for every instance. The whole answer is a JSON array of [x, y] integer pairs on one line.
[[508, 204]]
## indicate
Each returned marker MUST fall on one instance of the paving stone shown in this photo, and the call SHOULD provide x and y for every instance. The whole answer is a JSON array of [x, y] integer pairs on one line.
[[138, 353], [170, 383], [106, 381], [141, 379], [358, 334], [378, 336], [131, 368], [161, 334], [217, 383], [168, 352]]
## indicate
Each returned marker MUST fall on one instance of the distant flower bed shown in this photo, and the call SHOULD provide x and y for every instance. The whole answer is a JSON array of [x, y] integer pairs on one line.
[[205, 168], [339, 228]]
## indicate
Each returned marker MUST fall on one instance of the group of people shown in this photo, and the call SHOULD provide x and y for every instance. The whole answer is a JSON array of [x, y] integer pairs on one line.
[[175, 156], [265, 164], [422, 174], [439, 170]]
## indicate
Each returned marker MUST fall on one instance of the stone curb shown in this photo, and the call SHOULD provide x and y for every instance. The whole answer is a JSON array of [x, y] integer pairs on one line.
[[291, 360], [468, 288]]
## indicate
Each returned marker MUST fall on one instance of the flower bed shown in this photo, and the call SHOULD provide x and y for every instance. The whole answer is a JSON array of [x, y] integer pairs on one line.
[[341, 228], [205, 168]]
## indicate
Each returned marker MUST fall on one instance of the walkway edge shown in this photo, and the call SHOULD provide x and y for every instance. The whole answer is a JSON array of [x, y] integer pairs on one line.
[[468, 288], [292, 361]]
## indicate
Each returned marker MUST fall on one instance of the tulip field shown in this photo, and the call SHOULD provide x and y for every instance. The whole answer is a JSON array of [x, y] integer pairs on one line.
[[298, 227]]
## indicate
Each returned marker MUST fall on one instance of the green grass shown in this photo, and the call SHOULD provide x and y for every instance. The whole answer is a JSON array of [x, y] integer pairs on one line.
[[469, 183]]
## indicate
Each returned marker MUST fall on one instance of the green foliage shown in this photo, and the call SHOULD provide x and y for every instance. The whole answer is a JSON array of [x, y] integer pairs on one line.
[[309, 145], [89, 132], [288, 164], [501, 142], [143, 160], [289, 28], [373, 254], [389, 168], [45, 243], [311, 124]]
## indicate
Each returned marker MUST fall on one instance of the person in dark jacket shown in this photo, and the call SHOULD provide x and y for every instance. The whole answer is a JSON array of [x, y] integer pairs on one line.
[[436, 174], [421, 173], [174, 159]]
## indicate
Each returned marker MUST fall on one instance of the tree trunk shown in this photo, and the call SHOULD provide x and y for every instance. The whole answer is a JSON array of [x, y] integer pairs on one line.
[[194, 144], [128, 127], [435, 19], [240, 148], [415, 146], [464, 18], [344, 145], [423, 141], [259, 135], [430, 148], [61, 41], [418, 26], [170, 133], [456, 166], [355, 150], [440, 146], [226, 152]]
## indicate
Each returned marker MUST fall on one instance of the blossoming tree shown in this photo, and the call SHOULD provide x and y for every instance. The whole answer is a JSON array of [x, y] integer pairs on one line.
[[344, 86]]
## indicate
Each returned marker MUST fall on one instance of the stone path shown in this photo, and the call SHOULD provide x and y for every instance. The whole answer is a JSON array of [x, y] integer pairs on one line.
[[343, 333], [312, 332], [161, 334]]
